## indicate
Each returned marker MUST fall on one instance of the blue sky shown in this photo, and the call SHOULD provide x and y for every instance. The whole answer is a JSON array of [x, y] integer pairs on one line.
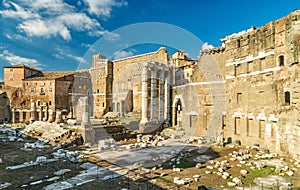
[[57, 34]]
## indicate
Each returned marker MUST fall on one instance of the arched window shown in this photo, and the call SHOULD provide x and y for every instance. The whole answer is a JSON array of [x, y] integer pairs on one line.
[[287, 97], [281, 60]]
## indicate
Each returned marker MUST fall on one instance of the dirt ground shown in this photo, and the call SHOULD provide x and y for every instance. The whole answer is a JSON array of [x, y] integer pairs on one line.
[[12, 154]]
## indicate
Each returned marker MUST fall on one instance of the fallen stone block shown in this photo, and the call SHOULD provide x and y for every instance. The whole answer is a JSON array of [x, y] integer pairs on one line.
[[243, 172], [237, 181], [231, 184], [198, 165]]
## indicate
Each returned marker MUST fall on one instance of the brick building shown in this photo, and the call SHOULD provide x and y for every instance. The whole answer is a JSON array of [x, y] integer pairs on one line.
[[14, 74], [37, 95]]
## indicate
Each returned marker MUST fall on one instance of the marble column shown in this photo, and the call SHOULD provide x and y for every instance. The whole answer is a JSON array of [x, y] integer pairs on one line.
[[145, 93], [167, 96], [45, 114], [41, 114], [21, 119], [161, 95], [13, 116], [33, 114], [153, 115]]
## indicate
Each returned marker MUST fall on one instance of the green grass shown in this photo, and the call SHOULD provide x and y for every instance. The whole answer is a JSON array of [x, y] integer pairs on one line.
[[167, 178], [252, 174], [184, 164], [262, 172]]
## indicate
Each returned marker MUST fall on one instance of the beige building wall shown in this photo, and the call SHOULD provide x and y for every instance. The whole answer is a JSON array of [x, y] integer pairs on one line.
[[127, 80], [13, 75]]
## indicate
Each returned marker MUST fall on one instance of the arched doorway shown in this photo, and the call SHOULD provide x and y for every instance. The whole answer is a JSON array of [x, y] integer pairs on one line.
[[178, 113]]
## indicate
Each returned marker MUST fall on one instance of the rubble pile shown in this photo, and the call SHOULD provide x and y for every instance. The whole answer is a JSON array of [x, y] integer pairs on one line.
[[8, 134], [106, 144], [73, 156], [252, 158], [149, 140], [52, 133]]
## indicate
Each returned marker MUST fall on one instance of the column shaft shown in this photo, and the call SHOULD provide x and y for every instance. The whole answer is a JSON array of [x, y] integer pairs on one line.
[[167, 97], [144, 93], [161, 96], [153, 115]]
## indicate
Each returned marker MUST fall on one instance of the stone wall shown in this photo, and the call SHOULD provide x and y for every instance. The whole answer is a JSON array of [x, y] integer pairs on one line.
[[5, 115], [262, 85]]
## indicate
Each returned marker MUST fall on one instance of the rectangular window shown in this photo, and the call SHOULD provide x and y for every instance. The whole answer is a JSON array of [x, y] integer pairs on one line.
[[250, 67], [239, 98], [237, 125], [261, 129], [42, 91], [31, 89], [11, 70], [38, 102], [11, 78], [50, 89], [50, 103]]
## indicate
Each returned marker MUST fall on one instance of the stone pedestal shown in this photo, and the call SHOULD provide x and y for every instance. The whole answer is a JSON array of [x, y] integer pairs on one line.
[[58, 118], [85, 129]]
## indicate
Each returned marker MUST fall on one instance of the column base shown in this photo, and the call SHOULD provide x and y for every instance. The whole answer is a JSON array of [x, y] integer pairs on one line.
[[88, 134]]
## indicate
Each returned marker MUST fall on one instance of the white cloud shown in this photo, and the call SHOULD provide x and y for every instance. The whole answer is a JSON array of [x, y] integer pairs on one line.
[[15, 59], [18, 13], [58, 56], [13, 36], [122, 54], [112, 36], [103, 7], [5, 4], [80, 59], [78, 21], [207, 46], [41, 28], [49, 18], [62, 53], [86, 45]]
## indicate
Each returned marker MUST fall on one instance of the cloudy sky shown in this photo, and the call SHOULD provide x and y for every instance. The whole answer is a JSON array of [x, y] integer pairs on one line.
[[57, 34]]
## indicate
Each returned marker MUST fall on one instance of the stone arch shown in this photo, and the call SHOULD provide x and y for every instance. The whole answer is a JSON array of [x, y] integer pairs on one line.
[[176, 98], [178, 106], [281, 60]]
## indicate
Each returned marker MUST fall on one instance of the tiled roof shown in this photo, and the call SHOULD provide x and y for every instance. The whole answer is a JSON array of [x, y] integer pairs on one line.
[[49, 75], [21, 66]]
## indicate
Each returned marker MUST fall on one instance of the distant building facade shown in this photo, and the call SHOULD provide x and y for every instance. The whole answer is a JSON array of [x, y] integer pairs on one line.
[[37, 95]]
